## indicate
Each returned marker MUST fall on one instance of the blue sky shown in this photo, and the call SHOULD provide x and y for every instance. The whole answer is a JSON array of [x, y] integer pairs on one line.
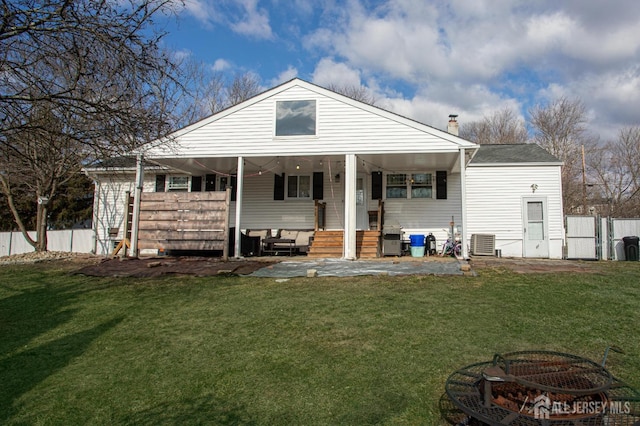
[[426, 59]]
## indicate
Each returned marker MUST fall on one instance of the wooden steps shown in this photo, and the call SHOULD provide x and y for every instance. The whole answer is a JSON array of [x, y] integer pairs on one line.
[[329, 244]]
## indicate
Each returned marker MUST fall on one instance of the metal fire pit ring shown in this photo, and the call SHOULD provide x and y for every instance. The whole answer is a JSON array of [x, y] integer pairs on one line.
[[550, 372], [466, 390]]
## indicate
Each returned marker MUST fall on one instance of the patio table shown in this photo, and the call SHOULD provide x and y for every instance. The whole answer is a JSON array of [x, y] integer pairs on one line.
[[274, 245]]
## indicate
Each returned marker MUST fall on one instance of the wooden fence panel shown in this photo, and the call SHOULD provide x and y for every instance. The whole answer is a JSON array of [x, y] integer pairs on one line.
[[184, 221]]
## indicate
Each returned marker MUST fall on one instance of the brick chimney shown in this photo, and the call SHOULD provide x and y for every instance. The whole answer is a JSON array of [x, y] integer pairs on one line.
[[453, 124]]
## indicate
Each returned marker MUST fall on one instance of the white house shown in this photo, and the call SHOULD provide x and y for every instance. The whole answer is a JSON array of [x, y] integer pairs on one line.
[[298, 145]]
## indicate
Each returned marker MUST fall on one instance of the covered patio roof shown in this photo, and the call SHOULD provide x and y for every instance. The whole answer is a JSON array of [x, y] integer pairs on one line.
[[305, 163]]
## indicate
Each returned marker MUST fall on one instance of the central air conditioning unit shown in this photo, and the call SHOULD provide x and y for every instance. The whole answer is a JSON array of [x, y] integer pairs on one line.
[[483, 244]]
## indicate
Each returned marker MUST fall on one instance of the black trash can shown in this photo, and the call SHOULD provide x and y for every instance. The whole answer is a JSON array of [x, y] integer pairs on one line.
[[631, 248]]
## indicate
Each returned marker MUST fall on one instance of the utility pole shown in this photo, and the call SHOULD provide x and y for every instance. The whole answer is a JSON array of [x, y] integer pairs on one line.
[[584, 185]]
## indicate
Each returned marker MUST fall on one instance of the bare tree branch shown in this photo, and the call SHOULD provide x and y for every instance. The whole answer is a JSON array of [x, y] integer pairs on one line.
[[359, 93], [79, 80], [560, 128], [503, 127]]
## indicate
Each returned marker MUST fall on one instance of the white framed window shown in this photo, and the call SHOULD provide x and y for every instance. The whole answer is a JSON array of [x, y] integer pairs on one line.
[[299, 187], [178, 184], [415, 185], [295, 118], [397, 185], [421, 185]]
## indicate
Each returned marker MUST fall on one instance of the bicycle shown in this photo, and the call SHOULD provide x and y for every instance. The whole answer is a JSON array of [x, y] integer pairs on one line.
[[452, 248]]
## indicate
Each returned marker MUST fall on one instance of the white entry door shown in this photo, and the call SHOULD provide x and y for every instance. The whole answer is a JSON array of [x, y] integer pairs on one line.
[[536, 238], [362, 218]]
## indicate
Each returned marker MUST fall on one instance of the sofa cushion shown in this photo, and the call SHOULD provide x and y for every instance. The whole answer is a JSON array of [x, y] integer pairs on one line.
[[288, 235], [302, 239], [262, 233]]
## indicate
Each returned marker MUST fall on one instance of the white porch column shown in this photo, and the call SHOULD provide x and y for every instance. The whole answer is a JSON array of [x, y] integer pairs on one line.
[[135, 219], [239, 184], [463, 195], [350, 173]]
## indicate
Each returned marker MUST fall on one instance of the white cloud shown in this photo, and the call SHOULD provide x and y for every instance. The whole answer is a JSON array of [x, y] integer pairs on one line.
[[474, 57], [241, 16], [284, 76], [611, 98], [328, 73], [201, 10], [254, 21], [432, 107], [221, 65], [182, 54], [426, 58]]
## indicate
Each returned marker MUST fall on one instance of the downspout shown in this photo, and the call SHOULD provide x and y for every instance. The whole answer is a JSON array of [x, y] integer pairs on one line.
[[96, 213], [350, 174], [463, 195], [135, 220], [239, 183]]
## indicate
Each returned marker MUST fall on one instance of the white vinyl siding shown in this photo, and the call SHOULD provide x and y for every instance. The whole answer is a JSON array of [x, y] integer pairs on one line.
[[494, 204], [249, 131], [109, 205], [260, 211]]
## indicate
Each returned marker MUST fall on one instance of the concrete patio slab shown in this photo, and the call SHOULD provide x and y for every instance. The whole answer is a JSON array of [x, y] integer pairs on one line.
[[350, 268]]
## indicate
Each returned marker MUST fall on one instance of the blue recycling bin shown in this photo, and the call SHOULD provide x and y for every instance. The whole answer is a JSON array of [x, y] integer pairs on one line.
[[417, 245]]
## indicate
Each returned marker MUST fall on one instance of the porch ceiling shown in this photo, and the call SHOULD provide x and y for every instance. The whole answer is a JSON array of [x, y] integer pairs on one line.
[[366, 163]]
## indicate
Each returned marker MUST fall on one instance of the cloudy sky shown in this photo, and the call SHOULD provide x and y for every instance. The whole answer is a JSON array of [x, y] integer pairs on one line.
[[427, 59]]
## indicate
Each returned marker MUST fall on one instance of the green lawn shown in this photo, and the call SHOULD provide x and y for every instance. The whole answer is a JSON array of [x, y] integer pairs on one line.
[[238, 350]]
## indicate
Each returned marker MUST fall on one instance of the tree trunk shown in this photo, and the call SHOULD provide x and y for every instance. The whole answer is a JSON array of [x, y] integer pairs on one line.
[[41, 227], [6, 188]]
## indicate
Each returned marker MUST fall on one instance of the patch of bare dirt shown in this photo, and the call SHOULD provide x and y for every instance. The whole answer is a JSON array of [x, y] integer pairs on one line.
[[528, 266], [158, 266], [48, 256]]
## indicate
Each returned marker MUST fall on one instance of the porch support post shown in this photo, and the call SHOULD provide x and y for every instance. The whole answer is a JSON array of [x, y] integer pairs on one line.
[[350, 173], [463, 195], [137, 195], [239, 183]]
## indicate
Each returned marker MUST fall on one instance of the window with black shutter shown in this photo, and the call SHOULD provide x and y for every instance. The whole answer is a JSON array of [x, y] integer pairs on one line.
[[376, 186], [234, 188], [441, 185], [318, 186], [196, 183], [160, 182], [278, 186]]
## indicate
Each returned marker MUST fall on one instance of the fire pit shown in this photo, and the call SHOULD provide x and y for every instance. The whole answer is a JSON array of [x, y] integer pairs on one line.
[[542, 388]]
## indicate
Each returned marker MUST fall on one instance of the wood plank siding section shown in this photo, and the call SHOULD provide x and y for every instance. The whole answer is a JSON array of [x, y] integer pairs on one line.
[[184, 220]]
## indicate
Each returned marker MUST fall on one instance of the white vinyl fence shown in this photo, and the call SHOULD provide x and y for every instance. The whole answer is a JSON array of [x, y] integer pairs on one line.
[[618, 229], [69, 240], [582, 237], [588, 237]]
